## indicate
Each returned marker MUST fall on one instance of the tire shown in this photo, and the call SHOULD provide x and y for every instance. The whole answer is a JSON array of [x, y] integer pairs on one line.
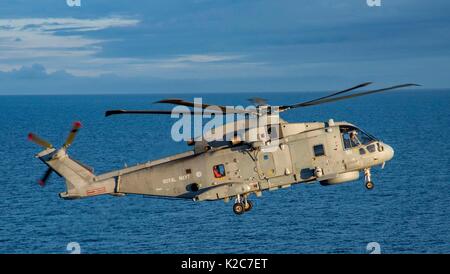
[[369, 185], [248, 206], [238, 208]]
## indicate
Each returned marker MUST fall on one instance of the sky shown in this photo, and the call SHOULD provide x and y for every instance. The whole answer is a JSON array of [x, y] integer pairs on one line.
[[141, 46]]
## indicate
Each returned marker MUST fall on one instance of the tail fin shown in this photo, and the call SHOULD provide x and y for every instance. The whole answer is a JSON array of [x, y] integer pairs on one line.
[[80, 179]]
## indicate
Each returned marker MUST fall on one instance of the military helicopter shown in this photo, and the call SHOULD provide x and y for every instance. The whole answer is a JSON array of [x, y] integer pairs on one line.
[[282, 154]]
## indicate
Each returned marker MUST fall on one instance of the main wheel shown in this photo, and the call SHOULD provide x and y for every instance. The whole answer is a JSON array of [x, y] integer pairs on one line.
[[369, 185], [248, 206], [238, 208]]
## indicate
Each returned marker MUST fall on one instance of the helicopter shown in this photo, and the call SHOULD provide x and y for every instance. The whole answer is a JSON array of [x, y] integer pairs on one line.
[[279, 154]]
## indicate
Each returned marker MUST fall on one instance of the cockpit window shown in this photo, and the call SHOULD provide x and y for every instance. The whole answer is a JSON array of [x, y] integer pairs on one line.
[[354, 137]]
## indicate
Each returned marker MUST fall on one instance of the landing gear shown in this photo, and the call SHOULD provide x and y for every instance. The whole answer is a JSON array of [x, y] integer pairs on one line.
[[242, 205], [238, 208], [368, 179], [248, 205]]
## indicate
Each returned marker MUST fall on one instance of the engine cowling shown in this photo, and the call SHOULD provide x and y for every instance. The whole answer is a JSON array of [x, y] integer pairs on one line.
[[341, 178]]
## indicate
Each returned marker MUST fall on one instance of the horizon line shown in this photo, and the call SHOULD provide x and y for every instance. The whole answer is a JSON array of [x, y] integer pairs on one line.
[[422, 89]]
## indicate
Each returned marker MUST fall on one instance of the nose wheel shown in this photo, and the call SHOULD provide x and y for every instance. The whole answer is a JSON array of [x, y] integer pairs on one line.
[[369, 185], [368, 179], [242, 205]]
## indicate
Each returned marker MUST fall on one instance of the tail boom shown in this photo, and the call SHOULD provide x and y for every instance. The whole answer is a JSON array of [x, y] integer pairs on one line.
[[80, 181]]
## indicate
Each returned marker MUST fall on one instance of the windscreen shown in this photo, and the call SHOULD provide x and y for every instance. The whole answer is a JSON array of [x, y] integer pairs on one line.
[[353, 136]]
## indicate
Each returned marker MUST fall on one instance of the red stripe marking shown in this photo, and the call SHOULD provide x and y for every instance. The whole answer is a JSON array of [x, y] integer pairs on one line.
[[95, 191]]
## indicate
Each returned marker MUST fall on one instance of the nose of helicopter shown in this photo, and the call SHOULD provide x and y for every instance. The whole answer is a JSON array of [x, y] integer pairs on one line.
[[388, 152]]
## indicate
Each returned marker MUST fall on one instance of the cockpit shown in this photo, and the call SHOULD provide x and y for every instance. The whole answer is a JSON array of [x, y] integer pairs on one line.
[[354, 137]]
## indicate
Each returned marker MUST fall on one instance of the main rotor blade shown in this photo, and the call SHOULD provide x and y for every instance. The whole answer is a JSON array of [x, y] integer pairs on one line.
[[169, 112], [44, 178], [329, 100], [37, 140], [73, 132], [181, 102], [227, 110], [122, 111], [325, 97]]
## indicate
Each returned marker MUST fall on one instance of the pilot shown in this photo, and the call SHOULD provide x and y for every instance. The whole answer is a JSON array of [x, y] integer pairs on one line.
[[354, 138]]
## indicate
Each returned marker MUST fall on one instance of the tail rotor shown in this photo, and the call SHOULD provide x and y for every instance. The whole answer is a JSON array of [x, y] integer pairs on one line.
[[76, 126], [39, 141], [48, 146], [44, 178]]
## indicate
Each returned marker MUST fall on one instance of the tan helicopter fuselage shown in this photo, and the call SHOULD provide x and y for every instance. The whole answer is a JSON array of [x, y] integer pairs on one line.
[[303, 152]]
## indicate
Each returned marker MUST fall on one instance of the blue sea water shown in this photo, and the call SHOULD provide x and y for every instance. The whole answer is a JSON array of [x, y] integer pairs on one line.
[[407, 212]]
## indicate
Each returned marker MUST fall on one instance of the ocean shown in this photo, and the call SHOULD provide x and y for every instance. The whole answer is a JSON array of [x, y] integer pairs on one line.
[[408, 211]]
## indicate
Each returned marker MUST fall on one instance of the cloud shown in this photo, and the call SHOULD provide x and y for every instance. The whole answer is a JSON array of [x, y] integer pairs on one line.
[[245, 45], [28, 40], [33, 72], [46, 33], [72, 45], [35, 79], [203, 58]]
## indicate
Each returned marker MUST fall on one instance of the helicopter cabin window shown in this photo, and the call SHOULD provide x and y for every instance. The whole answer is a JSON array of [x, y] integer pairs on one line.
[[319, 150], [371, 148], [353, 137], [219, 171]]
